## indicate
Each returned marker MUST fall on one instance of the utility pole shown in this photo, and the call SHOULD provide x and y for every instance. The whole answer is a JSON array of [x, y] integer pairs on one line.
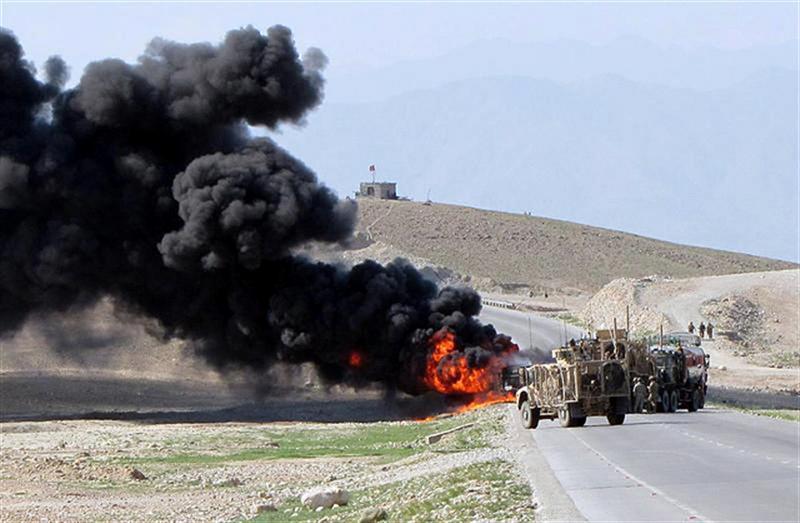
[[627, 321], [530, 334]]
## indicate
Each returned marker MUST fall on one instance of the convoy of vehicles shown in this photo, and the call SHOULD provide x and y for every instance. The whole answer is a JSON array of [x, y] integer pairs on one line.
[[595, 377]]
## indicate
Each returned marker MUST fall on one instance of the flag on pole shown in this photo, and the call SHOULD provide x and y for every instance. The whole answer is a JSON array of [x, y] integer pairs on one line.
[[372, 168]]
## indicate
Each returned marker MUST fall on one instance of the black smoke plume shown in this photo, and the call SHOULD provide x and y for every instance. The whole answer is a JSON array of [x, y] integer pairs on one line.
[[142, 183]]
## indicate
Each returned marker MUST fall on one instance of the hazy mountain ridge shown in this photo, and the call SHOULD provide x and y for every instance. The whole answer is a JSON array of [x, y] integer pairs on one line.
[[666, 162], [566, 61]]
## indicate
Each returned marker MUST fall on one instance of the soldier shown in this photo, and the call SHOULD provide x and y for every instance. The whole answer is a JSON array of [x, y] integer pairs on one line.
[[690, 328], [639, 393], [586, 353], [652, 396], [619, 351], [702, 330], [710, 331]]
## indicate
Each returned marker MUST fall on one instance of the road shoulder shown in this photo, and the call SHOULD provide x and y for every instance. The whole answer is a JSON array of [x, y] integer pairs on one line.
[[553, 502]]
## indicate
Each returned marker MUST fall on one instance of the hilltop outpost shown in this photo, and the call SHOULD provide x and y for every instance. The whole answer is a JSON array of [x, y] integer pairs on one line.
[[379, 190]]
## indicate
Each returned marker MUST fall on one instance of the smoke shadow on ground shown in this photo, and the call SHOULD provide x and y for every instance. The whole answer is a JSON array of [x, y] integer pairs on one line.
[[51, 398]]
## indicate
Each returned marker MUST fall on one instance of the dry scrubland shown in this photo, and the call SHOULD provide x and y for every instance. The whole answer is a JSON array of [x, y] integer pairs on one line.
[[519, 251], [142, 471]]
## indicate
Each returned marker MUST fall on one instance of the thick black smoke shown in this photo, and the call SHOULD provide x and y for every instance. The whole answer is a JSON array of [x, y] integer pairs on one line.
[[142, 184]]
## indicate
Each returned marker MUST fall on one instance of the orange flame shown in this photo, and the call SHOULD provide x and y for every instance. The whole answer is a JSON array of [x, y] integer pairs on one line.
[[484, 400], [448, 372], [355, 360]]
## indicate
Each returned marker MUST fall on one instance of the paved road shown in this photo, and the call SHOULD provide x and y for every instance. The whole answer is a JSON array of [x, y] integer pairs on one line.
[[712, 465], [547, 333]]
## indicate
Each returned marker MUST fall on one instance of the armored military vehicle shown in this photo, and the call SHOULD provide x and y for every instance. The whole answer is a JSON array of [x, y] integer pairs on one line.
[[680, 367], [589, 378]]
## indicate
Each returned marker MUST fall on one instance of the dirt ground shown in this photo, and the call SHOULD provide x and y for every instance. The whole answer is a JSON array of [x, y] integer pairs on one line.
[[179, 464]]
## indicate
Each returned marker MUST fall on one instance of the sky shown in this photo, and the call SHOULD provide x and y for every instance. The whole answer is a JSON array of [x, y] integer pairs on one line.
[[374, 36]]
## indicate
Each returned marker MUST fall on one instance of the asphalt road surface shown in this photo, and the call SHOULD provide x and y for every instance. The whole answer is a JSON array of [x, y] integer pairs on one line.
[[712, 465], [545, 333]]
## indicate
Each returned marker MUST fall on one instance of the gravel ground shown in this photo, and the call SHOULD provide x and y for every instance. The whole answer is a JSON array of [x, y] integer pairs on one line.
[[146, 470]]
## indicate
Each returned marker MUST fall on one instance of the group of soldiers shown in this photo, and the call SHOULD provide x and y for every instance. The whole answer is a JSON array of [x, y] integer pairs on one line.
[[642, 392], [702, 330]]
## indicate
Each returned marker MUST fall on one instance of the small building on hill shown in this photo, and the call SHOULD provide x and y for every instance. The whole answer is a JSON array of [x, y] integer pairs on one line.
[[379, 190]]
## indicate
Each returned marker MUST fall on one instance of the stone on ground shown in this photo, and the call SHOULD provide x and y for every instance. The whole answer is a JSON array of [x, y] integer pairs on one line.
[[325, 497]]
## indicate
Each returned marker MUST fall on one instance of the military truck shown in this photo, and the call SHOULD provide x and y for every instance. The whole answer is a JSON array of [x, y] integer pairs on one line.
[[588, 378], [680, 367]]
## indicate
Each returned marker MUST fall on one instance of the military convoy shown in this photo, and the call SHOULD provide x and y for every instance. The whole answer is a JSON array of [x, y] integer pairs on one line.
[[594, 377]]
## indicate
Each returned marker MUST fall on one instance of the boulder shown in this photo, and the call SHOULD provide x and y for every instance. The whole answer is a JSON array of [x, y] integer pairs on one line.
[[325, 497]]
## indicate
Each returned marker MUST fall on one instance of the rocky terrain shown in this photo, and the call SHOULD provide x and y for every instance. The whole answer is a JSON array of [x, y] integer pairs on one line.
[[144, 471]]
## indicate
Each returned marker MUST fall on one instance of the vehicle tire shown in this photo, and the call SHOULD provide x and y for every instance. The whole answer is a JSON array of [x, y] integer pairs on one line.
[[694, 403], [665, 401], [615, 419], [579, 422], [529, 416], [702, 399], [565, 416], [673, 401]]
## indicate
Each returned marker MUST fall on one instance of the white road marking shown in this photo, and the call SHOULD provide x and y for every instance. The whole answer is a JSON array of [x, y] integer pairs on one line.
[[741, 451], [693, 514]]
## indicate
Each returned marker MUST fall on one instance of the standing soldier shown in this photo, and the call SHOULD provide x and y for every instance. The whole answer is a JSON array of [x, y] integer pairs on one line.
[[690, 328], [652, 397], [702, 330], [710, 330], [639, 393]]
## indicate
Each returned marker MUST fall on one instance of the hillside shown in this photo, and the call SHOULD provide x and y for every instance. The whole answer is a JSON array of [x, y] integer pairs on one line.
[[521, 252]]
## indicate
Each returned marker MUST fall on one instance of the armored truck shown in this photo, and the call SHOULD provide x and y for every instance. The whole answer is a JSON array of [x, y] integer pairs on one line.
[[588, 378], [679, 368]]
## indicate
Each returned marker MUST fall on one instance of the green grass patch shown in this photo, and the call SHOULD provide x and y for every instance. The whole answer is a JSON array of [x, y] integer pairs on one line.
[[572, 320], [388, 441], [787, 414], [483, 491], [784, 414]]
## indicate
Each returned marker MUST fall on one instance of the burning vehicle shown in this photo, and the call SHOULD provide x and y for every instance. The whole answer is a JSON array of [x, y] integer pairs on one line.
[[144, 186], [588, 378]]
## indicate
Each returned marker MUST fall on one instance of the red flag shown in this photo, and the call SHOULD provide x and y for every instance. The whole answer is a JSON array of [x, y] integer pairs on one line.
[[372, 168]]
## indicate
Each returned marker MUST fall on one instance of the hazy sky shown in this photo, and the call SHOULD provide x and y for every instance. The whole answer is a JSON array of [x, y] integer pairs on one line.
[[381, 33]]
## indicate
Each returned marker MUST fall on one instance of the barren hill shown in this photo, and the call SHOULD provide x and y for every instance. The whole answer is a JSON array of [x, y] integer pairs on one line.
[[520, 251]]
